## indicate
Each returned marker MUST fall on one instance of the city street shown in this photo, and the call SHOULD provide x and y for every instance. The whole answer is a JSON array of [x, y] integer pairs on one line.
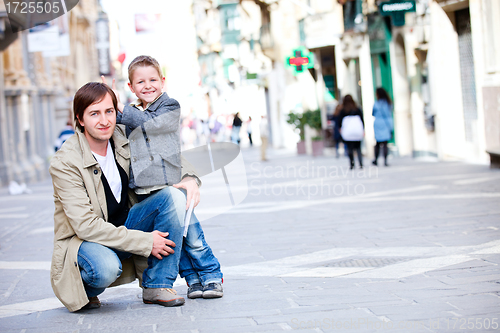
[[314, 247]]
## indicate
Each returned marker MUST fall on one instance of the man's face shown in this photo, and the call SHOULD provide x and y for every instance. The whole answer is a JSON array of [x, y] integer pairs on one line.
[[146, 84], [99, 121]]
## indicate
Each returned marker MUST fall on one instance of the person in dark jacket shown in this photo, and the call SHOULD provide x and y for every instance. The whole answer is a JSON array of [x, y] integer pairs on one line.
[[336, 131], [352, 128], [235, 134]]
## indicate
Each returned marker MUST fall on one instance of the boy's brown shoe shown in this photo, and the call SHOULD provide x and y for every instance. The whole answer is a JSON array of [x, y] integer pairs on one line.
[[161, 296]]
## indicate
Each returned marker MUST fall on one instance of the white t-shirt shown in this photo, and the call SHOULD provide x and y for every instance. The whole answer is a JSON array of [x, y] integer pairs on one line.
[[110, 170]]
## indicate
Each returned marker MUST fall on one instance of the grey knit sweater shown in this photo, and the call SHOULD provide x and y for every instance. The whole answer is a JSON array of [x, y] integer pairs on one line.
[[154, 136]]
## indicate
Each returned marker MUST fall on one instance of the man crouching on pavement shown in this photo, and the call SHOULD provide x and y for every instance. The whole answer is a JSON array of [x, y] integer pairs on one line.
[[100, 238]]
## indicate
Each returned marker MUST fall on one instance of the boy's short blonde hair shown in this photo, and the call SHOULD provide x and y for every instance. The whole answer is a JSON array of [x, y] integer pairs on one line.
[[143, 61]]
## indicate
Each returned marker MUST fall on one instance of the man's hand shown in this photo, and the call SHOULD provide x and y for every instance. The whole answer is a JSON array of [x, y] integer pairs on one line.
[[162, 246], [113, 87], [192, 190]]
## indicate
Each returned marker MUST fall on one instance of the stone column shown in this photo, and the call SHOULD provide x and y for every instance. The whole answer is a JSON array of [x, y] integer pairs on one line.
[[5, 162]]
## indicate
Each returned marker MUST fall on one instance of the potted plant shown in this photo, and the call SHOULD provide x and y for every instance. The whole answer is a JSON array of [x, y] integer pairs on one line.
[[313, 119], [298, 120], [317, 146]]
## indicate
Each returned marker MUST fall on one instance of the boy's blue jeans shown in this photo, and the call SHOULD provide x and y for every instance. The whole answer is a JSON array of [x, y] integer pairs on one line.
[[164, 211], [197, 263]]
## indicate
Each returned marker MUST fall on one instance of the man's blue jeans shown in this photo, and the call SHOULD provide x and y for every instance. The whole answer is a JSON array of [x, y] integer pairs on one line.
[[164, 211]]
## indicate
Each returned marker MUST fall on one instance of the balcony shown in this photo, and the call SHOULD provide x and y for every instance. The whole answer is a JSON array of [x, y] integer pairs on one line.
[[453, 5], [353, 16], [230, 23]]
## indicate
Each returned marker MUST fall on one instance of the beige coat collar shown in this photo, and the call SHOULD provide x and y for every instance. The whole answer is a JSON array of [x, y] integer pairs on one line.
[[89, 160]]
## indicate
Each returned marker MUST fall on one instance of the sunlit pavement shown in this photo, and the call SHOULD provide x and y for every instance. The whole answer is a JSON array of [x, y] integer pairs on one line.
[[314, 247]]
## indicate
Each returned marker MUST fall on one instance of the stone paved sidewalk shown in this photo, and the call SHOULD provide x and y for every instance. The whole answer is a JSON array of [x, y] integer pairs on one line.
[[314, 247]]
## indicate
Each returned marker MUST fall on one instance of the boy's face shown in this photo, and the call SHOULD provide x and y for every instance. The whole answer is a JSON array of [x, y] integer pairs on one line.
[[146, 84]]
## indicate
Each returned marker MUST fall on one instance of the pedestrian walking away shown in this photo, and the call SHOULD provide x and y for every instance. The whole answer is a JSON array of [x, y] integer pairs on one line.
[[336, 131], [65, 134], [264, 135], [249, 130], [235, 131], [352, 129], [383, 124]]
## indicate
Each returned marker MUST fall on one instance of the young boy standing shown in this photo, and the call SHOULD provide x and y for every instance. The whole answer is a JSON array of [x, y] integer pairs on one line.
[[153, 129]]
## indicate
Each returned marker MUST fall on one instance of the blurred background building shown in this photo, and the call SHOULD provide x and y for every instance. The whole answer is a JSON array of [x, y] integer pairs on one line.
[[438, 59], [38, 78]]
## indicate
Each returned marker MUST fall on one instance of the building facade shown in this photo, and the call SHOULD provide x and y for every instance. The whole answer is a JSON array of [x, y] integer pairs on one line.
[[437, 59], [233, 67], [36, 91], [464, 67]]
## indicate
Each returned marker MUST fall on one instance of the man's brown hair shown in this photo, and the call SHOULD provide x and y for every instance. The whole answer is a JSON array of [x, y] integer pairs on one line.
[[143, 61], [90, 93]]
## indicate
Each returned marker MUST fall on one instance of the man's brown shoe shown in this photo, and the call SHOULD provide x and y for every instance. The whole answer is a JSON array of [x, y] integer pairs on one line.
[[93, 303], [161, 296]]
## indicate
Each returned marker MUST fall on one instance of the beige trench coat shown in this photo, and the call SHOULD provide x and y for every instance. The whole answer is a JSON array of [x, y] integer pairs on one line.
[[81, 214]]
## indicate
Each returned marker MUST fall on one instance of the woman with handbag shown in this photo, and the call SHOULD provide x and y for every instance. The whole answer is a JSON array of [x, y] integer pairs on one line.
[[383, 124], [352, 128]]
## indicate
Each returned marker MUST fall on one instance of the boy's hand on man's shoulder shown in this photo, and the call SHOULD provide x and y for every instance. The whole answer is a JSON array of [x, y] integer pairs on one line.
[[120, 105]]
